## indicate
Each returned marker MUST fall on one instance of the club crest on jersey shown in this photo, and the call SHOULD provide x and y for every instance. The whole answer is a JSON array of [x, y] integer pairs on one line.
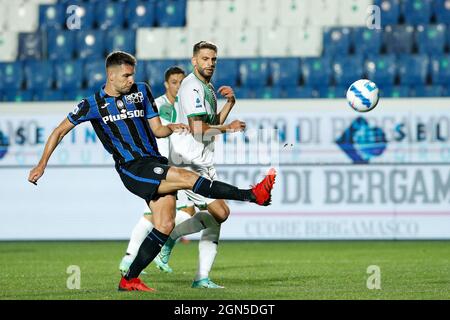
[[158, 170], [135, 97], [120, 104]]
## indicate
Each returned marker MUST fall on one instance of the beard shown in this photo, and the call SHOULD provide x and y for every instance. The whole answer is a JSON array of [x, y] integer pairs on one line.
[[204, 74]]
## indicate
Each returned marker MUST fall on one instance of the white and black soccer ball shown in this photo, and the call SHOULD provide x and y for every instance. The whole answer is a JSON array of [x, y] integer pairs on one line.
[[362, 95]]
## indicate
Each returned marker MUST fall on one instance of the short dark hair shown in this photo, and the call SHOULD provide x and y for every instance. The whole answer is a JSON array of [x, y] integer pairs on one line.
[[118, 58], [204, 45], [173, 70]]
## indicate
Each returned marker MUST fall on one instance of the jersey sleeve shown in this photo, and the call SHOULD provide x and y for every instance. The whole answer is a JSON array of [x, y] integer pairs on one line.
[[82, 112], [151, 109], [192, 101]]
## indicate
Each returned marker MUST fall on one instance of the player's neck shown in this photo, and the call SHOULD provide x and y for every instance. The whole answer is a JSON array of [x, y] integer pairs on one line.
[[110, 91], [170, 98]]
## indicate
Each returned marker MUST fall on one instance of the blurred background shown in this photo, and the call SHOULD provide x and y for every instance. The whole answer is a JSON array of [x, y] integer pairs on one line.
[[343, 175]]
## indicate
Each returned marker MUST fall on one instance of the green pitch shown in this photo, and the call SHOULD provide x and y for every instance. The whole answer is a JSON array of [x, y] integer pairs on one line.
[[248, 270]]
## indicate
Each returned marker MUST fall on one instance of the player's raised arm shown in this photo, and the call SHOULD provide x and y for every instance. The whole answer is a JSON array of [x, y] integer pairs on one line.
[[52, 142], [228, 93]]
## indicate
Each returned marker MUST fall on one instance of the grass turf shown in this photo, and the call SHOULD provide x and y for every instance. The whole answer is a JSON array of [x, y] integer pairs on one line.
[[249, 270]]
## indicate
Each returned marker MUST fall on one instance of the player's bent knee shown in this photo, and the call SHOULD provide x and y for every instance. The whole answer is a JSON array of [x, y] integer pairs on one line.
[[220, 213]]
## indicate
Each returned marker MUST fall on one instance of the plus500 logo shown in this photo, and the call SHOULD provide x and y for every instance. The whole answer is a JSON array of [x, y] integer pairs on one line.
[[124, 115]]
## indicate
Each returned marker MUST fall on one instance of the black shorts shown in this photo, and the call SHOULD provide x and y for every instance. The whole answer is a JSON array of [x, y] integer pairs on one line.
[[143, 176]]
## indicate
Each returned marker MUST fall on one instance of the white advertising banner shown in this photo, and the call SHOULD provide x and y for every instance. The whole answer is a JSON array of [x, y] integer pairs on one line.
[[342, 175]]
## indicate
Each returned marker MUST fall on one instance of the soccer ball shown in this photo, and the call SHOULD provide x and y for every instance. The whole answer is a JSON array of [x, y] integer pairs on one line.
[[362, 95]]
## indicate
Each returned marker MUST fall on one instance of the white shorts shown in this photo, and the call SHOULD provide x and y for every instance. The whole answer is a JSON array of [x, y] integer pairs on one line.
[[200, 201]]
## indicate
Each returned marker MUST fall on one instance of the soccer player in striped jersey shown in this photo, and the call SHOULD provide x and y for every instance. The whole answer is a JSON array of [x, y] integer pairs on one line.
[[125, 118]]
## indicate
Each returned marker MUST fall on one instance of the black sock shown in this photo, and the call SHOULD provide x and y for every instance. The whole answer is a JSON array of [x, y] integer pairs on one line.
[[221, 190], [148, 250]]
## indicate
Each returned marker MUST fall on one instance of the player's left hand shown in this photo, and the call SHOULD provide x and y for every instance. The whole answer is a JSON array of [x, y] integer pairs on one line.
[[179, 127], [227, 92]]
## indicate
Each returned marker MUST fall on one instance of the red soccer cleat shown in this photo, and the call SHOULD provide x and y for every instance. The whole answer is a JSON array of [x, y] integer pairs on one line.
[[134, 284], [263, 189]]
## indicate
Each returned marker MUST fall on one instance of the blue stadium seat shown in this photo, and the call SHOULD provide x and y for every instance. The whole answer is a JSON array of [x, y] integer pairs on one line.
[[110, 15], [399, 38], [60, 44], [18, 95], [171, 13], [85, 15], [336, 41], [186, 65], [390, 11], [426, 91], [316, 71], [298, 92], [52, 16], [417, 12], [254, 73], [11, 75], [123, 40], [394, 91], [140, 14], [332, 92], [157, 90], [69, 75], [366, 41], [94, 74], [440, 69], [226, 73], [38, 75], [413, 69], [72, 94], [285, 72], [155, 70], [244, 93], [441, 9], [348, 69], [268, 93], [430, 39], [90, 44], [381, 69], [49, 95], [30, 46], [140, 73]]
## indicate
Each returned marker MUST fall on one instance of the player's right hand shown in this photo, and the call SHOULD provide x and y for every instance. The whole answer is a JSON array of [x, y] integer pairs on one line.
[[237, 126], [35, 174]]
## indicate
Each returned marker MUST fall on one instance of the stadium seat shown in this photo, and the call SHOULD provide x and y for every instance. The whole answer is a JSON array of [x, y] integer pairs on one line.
[[426, 91], [336, 41], [292, 13], [316, 71], [94, 74], [178, 44], [140, 72], [18, 95], [332, 92], [52, 16], [273, 41], [389, 11], [8, 46], [244, 42], [217, 35], [305, 42], [110, 15], [226, 73], [155, 70], [80, 15], [244, 93], [157, 89], [30, 46], [298, 92], [60, 44], [347, 69], [72, 94], [441, 9], [11, 75], [323, 13], [266, 13], [394, 91], [231, 13], [254, 73], [140, 14], [23, 16], [285, 72], [430, 39], [381, 69], [38, 75], [4, 17], [121, 39], [268, 93], [49, 95], [151, 43], [69, 75], [186, 65], [399, 39], [417, 12], [205, 9], [366, 41], [353, 12], [171, 13], [413, 69], [90, 44], [440, 69]]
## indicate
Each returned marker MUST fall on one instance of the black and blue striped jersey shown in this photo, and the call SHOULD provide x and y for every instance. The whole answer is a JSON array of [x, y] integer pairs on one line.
[[121, 122]]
